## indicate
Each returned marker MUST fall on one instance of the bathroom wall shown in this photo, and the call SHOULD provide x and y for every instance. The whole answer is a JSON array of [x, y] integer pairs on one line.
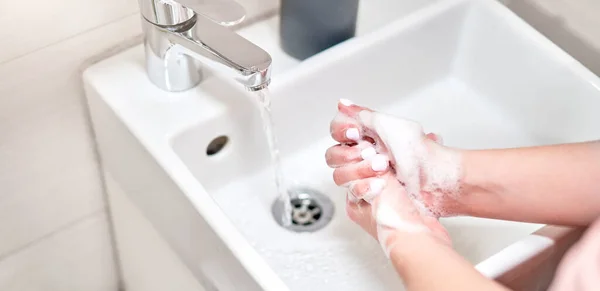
[[571, 24], [54, 233]]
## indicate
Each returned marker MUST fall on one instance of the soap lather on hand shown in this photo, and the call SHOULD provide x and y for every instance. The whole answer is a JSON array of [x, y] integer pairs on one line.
[[398, 178], [400, 181]]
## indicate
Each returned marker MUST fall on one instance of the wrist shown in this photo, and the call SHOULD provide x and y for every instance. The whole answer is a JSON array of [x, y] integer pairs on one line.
[[402, 244], [408, 249], [447, 179], [474, 182]]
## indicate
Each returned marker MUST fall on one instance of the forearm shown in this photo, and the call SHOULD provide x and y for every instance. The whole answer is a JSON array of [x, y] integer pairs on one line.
[[426, 264], [550, 184]]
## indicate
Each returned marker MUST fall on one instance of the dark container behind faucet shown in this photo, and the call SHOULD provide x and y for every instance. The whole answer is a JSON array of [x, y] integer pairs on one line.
[[308, 27]]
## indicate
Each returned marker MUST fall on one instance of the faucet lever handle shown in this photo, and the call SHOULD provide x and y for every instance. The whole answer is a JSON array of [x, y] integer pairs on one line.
[[224, 12]]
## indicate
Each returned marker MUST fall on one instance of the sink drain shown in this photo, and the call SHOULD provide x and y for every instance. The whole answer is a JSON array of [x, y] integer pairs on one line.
[[311, 210]]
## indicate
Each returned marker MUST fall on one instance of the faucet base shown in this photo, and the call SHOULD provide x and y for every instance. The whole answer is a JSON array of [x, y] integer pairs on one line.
[[167, 67]]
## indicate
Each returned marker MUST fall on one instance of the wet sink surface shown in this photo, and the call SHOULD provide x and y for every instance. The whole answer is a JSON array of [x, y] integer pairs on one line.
[[469, 70]]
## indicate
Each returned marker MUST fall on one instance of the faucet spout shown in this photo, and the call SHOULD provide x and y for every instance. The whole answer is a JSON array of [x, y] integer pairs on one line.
[[225, 52], [178, 51]]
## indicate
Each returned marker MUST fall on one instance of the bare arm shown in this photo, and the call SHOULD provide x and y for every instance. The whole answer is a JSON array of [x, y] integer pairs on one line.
[[426, 264], [550, 184], [553, 184]]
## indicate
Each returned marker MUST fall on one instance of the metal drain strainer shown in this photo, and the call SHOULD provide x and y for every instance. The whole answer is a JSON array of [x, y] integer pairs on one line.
[[311, 210]]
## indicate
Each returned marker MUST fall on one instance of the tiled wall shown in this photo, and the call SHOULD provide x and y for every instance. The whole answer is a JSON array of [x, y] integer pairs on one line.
[[53, 227], [54, 233]]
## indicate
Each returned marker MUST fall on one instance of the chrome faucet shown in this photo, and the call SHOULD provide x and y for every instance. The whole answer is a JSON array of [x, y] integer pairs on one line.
[[183, 36]]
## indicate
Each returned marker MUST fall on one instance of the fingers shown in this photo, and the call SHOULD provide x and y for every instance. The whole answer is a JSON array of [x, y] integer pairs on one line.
[[360, 213], [350, 109], [377, 165], [345, 129], [366, 189], [343, 155]]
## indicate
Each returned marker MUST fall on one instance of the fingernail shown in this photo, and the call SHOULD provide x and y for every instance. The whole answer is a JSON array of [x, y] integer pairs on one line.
[[368, 153], [379, 163], [353, 134], [351, 197], [376, 186], [346, 102]]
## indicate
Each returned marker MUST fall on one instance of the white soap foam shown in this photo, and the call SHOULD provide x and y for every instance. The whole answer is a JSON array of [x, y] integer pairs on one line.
[[387, 216], [419, 166], [388, 220], [403, 139], [435, 170]]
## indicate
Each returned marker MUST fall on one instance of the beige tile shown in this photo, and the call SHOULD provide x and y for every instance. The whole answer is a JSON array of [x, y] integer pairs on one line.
[[26, 26], [78, 258], [258, 7], [48, 173]]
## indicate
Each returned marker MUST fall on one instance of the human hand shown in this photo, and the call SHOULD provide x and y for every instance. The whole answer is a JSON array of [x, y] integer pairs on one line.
[[430, 171], [580, 266], [378, 199], [390, 216]]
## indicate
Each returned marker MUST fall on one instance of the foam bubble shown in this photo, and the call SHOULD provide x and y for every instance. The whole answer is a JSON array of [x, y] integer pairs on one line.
[[417, 166]]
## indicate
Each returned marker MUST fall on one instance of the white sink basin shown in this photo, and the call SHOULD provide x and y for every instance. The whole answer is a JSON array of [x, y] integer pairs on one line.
[[470, 70]]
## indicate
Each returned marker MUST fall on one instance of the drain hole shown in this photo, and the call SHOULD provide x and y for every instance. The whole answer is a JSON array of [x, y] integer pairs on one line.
[[311, 210], [217, 145]]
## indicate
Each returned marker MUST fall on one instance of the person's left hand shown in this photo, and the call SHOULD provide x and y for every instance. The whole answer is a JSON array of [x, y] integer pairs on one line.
[[389, 215], [376, 200]]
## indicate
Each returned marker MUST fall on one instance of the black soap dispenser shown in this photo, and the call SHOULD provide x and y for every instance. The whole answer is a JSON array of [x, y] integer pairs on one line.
[[308, 27]]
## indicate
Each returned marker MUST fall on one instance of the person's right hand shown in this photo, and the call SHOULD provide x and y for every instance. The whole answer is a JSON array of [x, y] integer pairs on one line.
[[390, 216], [436, 184], [377, 199]]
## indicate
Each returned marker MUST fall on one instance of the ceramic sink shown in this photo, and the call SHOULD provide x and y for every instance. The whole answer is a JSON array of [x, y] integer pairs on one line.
[[196, 163]]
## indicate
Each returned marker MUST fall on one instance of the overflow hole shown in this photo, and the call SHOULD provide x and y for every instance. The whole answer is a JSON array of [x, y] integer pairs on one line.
[[217, 145]]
